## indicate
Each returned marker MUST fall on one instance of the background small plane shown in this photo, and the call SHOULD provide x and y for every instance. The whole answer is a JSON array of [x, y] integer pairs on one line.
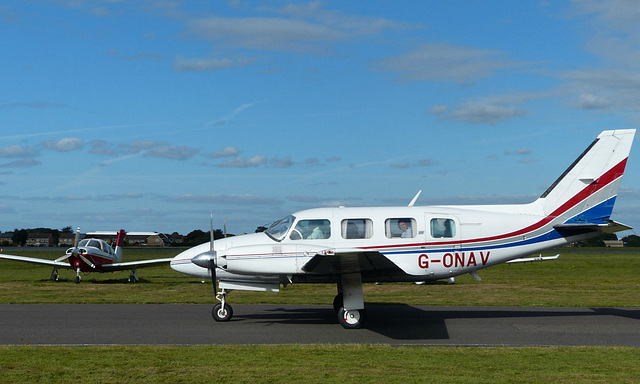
[[91, 255], [348, 246]]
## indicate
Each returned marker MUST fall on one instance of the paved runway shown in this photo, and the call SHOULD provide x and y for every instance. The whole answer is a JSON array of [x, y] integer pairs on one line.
[[189, 324]]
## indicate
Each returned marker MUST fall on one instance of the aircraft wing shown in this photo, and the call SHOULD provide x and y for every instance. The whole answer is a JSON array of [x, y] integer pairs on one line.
[[372, 265], [35, 260], [134, 264]]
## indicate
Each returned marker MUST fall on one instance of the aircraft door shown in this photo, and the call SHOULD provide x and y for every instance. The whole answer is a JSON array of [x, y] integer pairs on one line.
[[443, 228], [443, 233]]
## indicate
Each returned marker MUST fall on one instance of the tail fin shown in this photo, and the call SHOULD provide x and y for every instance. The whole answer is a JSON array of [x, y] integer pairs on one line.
[[120, 244], [587, 190]]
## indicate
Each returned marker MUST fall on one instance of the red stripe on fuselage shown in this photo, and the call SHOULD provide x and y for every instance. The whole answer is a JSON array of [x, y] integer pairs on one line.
[[604, 180]]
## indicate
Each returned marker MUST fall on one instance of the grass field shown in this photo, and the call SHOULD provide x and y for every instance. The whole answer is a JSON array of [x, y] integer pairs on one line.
[[317, 364], [593, 278], [585, 278]]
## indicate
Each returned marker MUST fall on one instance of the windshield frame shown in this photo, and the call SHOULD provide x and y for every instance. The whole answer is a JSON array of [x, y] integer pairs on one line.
[[278, 229]]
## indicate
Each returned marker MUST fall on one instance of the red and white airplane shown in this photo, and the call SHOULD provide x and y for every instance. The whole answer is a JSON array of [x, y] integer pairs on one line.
[[92, 255], [349, 246]]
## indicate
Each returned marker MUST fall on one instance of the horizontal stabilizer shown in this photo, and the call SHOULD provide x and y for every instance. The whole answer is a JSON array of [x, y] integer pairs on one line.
[[573, 229]]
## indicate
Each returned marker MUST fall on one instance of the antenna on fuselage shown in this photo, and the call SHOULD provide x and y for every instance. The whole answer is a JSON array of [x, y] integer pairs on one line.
[[415, 198]]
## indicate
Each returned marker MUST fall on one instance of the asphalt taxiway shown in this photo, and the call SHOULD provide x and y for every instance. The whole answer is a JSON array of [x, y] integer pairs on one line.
[[191, 324]]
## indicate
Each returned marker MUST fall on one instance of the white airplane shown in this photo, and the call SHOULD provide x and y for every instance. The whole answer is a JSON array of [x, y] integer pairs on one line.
[[92, 255], [349, 246]]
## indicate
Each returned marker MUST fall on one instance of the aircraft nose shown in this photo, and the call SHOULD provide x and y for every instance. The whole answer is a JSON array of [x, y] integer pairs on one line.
[[183, 263]]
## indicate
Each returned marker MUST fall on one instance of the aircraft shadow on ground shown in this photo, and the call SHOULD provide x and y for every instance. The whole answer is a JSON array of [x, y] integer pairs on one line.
[[404, 322]]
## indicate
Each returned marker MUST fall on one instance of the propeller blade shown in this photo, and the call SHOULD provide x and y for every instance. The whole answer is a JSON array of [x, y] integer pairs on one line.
[[211, 234], [75, 242], [59, 259], [212, 259], [214, 279], [87, 261]]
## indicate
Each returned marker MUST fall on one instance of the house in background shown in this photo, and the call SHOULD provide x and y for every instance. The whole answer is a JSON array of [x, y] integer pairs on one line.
[[133, 239], [39, 240], [6, 238], [66, 239]]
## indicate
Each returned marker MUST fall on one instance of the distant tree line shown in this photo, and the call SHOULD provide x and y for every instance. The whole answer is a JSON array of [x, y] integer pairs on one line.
[[20, 235], [198, 237], [629, 241]]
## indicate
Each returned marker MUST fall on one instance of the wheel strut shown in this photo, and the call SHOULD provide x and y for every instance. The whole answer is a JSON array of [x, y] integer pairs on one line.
[[222, 311]]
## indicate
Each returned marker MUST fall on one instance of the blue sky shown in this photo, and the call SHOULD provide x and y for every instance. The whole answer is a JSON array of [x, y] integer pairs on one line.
[[147, 115]]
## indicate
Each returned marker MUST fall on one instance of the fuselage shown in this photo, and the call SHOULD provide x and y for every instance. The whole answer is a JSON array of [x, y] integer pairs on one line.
[[437, 241], [96, 251]]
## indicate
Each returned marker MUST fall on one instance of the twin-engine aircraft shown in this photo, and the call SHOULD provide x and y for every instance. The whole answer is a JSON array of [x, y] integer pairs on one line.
[[350, 246], [92, 255]]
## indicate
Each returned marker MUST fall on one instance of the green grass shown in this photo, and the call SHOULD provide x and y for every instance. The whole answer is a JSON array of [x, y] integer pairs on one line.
[[592, 278], [318, 364]]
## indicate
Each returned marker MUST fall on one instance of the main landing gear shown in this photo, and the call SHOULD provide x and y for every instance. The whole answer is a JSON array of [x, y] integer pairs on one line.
[[54, 275], [222, 311], [133, 277], [348, 318]]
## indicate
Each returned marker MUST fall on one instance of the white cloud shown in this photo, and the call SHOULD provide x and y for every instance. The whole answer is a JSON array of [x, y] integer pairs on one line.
[[445, 62], [17, 151], [183, 64], [438, 109], [142, 145], [308, 28], [241, 162], [228, 151], [265, 33], [522, 151], [589, 101], [173, 152], [102, 148], [284, 162], [26, 163], [68, 144], [484, 113]]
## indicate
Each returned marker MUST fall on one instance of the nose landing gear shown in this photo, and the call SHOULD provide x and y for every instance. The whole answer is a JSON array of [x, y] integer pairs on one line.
[[222, 311]]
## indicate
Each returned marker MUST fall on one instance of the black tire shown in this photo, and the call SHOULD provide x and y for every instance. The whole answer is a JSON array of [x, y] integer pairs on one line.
[[222, 314], [77, 279], [337, 302], [352, 319], [132, 279]]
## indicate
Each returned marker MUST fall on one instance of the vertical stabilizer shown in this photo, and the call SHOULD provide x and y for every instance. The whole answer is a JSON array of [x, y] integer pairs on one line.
[[586, 192], [120, 244]]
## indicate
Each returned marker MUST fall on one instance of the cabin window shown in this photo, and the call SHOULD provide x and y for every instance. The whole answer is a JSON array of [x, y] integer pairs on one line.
[[442, 228], [311, 230], [402, 227], [357, 228]]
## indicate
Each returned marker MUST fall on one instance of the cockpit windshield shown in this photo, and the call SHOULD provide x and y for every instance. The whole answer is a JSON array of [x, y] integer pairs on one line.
[[278, 230], [96, 244]]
